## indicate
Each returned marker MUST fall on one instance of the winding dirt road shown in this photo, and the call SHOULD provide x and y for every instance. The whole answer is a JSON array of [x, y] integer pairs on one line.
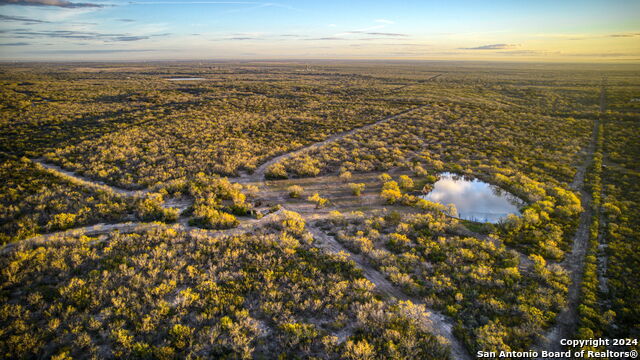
[[85, 180], [258, 174], [566, 321], [130, 227], [441, 324]]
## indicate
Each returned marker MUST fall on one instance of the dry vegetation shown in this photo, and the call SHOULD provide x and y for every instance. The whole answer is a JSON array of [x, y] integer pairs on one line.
[[243, 290], [158, 294]]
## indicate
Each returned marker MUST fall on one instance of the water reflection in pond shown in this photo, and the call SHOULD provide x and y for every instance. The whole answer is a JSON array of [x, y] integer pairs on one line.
[[474, 199]]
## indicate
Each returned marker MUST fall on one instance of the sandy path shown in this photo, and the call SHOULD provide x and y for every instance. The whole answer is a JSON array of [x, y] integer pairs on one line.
[[566, 321], [181, 204], [131, 227], [85, 180], [441, 325], [258, 174], [416, 83]]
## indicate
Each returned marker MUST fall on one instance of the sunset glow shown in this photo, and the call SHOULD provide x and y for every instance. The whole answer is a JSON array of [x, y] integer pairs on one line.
[[568, 31]]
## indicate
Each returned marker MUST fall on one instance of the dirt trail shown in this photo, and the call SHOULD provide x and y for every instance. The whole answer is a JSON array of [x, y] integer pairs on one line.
[[91, 230], [441, 325], [602, 238], [566, 321], [181, 204], [130, 227], [87, 181], [416, 83], [258, 174]]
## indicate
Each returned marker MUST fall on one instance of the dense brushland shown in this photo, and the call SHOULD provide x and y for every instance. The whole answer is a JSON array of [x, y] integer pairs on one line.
[[620, 206], [167, 294], [176, 291], [500, 301], [34, 201], [139, 130], [609, 305]]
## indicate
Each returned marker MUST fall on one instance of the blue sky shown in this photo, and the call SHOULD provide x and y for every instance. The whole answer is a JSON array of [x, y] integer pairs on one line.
[[439, 30]]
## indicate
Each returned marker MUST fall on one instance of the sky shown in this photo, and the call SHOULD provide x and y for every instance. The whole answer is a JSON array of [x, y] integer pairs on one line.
[[514, 30]]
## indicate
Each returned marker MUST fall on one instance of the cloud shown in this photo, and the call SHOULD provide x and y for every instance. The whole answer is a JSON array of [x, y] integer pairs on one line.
[[604, 55], [87, 51], [130, 38], [22, 19], [623, 35], [259, 4], [387, 34], [126, 20], [328, 38], [385, 21], [15, 44], [81, 35], [530, 52], [377, 33], [492, 47], [586, 36], [58, 3]]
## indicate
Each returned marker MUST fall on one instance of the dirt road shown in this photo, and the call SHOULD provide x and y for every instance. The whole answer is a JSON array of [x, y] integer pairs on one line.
[[440, 324], [566, 321], [258, 174], [85, 180]]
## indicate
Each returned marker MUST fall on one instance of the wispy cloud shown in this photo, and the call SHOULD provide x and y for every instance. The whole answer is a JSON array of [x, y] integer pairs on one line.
[[624, 35], [585, 36], [530, 52], [380, 34], [89, 51], [58, 3], [22, 19], [492, 47], [385, 21], [81, 35], [604, 55], [15, 44], [243, 36], [328, 38], [254, 3], [194, 3]]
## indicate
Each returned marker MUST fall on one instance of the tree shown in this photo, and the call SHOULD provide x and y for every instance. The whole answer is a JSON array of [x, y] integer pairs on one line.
[[211, 218], [62, 221], [384, 177], [345, 176], [318, 200], [406, 183], [360, 350], [292, 222], [295, 191], [276, 171], [391, 192], [356, 189]]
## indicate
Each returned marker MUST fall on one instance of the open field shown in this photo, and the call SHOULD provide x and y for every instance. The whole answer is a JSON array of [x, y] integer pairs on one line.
[[275, 209]]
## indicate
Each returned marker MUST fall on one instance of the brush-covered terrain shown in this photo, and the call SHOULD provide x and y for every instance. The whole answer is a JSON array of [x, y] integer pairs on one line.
[[277, 210]]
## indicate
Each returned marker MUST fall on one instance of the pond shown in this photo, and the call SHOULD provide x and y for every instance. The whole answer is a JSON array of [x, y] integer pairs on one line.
[[475, 200], [186, 79]]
